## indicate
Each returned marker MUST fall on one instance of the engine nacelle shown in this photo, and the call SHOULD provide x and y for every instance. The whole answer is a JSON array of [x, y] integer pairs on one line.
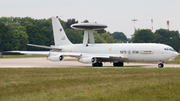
[[87, 60], [56, 58]]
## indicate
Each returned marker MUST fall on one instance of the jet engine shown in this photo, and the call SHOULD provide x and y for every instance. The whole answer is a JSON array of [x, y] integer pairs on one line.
[[55, 58], [87, 60]]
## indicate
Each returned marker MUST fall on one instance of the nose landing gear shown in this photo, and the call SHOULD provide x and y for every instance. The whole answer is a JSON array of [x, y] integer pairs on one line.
[[160, 65]]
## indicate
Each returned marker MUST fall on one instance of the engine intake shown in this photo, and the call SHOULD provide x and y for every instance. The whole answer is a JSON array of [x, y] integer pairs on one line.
[[87, 60], [56, 58]]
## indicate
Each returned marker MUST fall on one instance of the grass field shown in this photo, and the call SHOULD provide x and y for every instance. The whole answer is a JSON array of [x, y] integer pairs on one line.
[[90, 84]]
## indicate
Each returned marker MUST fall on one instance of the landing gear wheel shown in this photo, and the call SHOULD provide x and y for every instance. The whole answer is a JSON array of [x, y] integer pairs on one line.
[[97, 64], [121, 64], [94, 64], [160, 65], [115, 64]]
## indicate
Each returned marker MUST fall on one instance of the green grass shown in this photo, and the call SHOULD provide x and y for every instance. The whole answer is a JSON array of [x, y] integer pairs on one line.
[[90, 84]]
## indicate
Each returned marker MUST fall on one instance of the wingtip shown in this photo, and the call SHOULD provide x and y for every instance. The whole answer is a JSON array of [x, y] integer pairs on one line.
[[11, 52]]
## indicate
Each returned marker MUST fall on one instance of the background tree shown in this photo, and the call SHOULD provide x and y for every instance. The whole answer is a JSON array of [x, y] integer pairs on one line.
[[98, 38], [75, 36], [101, 31], [70, 22], [6, 20], [47, 32], [85, 21], [19, 37], [119, 37], [26, 21], [36, 37], [143, 36], [5, 38], [16, 32], [107, 37], [171, 38], [20, 31]]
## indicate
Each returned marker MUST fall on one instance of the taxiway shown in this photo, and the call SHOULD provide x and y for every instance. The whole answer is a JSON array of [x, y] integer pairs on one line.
[[43, 62]]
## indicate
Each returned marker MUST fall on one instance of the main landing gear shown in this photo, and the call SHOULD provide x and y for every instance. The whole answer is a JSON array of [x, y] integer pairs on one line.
[[97, 64], [160, 65], [115, 64]]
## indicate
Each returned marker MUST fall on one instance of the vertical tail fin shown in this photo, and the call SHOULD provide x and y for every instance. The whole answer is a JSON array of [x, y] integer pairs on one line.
[[60, 37]]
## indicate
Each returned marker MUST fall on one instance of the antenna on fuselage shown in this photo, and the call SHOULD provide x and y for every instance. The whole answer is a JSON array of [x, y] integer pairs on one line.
[[58, 16], [88, 30]]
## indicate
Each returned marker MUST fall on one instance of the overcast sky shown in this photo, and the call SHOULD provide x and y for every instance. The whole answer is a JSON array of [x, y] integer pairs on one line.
[[116, 14]]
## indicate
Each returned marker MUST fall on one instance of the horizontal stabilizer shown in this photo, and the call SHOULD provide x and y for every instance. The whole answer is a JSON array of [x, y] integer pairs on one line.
[[46, 47]]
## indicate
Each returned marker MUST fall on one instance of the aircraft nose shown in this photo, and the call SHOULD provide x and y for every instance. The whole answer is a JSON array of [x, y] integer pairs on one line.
[[175, 54]]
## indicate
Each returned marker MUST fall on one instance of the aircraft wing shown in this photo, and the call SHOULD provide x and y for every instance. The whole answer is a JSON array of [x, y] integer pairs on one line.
[[102, 57], [31, 52], [47, 53], [99, 57]]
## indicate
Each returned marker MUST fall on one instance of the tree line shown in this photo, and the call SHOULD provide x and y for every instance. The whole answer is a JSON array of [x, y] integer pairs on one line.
[[16, 32], [171, 38]]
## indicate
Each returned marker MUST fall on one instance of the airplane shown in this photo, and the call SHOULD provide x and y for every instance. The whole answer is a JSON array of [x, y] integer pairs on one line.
[[96, 54]]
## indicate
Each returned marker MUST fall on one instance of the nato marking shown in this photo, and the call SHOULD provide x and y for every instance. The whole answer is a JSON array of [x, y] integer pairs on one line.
[[110, 49]]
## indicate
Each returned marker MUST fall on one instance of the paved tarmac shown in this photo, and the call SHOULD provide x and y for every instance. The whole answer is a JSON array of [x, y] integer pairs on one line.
[[43, 62]]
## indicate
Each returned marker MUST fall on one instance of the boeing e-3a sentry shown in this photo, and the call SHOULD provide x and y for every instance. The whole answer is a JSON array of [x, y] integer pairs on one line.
[[96, 54]]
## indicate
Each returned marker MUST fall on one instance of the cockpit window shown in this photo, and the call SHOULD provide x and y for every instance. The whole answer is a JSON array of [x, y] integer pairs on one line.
[[169, 49]]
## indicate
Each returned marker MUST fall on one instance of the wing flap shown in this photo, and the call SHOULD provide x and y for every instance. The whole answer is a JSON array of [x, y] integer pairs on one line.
[[105, 57], [119, 57]]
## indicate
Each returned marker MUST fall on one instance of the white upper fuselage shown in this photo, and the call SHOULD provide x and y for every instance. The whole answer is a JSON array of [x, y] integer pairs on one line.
[[144, 52]]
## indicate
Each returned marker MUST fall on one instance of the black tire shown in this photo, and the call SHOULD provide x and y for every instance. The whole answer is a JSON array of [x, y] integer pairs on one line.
[[94, 64], [160, 65], [121, 64], [100, 64], [116, 64], [97, 64]]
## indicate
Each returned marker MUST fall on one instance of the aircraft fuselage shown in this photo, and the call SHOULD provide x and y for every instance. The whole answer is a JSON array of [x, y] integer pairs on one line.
[[136, 52]]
